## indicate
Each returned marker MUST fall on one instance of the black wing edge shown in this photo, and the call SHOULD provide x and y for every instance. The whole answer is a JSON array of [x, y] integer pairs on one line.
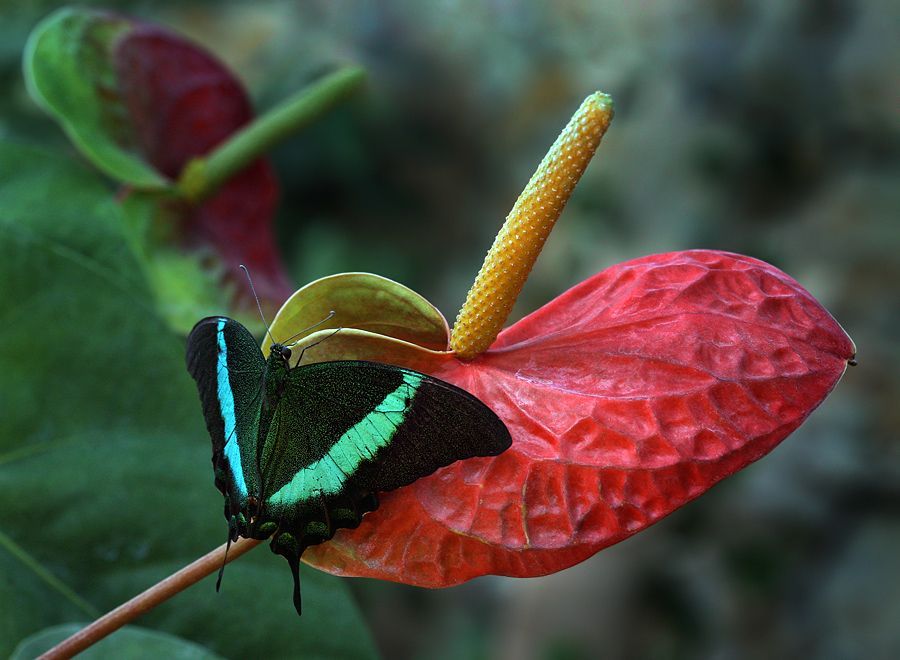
[[201, 358]]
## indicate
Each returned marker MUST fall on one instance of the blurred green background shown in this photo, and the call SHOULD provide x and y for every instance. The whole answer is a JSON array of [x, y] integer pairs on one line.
[[766, 128]]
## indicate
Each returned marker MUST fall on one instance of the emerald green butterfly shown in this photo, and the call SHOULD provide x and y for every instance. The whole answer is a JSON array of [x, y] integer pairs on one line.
[[300, 451]]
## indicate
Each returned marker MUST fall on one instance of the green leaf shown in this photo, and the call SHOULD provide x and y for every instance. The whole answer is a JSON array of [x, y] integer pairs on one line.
[[188, 285], [69, 72], [129, 643], [103, 443], [28, 599]]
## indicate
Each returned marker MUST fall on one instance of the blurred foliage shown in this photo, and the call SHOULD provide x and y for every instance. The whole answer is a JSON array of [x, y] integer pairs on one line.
[[766, 128], [101, 443]]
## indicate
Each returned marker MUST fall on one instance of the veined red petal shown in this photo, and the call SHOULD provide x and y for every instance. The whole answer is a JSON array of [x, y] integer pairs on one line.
[[627, 396]]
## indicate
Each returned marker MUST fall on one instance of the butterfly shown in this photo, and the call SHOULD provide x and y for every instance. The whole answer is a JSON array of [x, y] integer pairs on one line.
[[302, 450]]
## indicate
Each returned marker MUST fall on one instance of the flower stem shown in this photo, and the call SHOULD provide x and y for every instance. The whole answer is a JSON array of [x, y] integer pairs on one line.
[[158, 593], [517, 246], [202, 177]]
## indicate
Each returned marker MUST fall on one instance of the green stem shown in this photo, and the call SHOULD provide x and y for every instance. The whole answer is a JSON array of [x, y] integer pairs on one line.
[[202, 177]]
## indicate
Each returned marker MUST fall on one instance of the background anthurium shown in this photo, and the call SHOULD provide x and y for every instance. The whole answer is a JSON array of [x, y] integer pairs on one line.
[[627, 396], [142, 104]]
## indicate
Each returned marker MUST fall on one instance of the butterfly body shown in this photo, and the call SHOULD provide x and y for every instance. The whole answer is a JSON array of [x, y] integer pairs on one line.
[[301, 451]]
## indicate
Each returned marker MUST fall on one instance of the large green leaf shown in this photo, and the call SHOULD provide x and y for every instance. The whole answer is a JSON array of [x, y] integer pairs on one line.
[[187, 285], [30, 596], [104, 459], [69, 71], [130, 643]]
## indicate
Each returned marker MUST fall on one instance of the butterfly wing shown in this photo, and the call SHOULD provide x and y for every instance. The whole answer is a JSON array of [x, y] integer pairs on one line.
[[370, 426], [441, 424], [225, 360], [346, 430]]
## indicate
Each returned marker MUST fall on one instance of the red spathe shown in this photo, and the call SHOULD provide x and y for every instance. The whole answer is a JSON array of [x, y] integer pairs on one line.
[[627, 396]]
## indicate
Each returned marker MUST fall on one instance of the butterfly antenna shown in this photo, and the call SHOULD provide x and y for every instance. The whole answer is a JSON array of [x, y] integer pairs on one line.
[[258, 306], [305, 330], [305, 348]]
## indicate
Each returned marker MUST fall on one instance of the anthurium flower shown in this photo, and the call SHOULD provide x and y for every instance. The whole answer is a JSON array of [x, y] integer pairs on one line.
[[140, 102], [627, 396], [166, 119]]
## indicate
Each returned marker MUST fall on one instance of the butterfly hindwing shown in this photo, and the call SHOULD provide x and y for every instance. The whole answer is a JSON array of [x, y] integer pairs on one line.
[[444, 424], [225, 360], [345, 430]]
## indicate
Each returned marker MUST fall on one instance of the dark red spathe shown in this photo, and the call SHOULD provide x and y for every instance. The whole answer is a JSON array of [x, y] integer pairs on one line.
[[627, 396]]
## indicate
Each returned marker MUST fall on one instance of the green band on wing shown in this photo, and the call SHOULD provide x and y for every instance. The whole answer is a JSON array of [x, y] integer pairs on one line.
[[359, 443]]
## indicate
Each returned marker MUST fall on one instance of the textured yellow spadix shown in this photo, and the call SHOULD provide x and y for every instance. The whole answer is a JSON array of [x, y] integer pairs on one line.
[[527, 226]]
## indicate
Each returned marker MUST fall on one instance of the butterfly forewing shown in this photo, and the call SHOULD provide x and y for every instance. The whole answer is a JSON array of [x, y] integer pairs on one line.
[[369, 427], [225, 360], [444, 424]]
